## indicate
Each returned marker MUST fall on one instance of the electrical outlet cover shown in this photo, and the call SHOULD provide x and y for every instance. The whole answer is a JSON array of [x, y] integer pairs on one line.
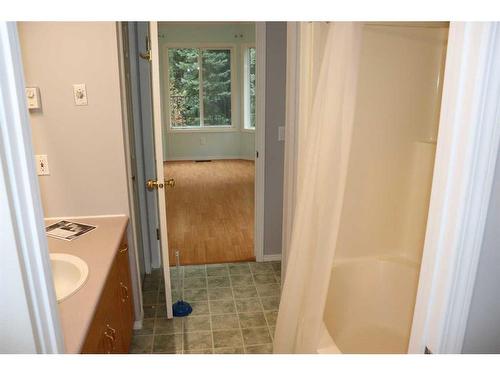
[[42, 165], [80, 94]]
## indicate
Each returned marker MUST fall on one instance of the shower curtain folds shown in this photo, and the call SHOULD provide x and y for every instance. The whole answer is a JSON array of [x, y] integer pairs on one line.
[[323, 168]]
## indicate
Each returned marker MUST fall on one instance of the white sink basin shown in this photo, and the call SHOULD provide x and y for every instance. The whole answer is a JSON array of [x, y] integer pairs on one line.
[[69, 273]]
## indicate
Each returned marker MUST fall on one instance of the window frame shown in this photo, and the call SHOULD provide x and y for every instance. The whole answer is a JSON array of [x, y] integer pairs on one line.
[[245, 47], [234, 89]]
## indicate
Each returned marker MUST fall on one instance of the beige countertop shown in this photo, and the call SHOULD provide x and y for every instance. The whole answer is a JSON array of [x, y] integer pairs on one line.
[[98, 248]]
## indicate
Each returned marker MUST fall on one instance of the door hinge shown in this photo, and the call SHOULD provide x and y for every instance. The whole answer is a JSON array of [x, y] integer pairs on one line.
[[158, 234], [257, 154], [147, 55]]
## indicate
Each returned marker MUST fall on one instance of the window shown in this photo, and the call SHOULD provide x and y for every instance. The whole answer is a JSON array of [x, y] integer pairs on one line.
[[200, 88], [249, 95]]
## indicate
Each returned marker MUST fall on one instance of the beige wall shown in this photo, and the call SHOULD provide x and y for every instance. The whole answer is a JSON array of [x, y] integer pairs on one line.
[[392, 153], [84, 144]]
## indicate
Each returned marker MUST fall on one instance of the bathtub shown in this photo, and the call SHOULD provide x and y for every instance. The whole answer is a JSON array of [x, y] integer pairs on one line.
[[369, 307]]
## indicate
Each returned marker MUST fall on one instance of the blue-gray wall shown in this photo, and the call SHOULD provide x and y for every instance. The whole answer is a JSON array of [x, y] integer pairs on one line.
[[275, 150], [483, 327]]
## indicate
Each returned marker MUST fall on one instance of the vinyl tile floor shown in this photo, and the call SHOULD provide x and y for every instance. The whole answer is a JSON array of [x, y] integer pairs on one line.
[[234, 310]]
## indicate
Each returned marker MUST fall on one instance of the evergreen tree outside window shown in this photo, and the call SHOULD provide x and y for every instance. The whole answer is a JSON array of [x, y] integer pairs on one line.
[[250, 86], [199, 87]]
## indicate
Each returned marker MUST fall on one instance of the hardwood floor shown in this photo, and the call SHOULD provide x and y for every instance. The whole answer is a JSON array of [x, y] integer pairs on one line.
[[210, 212]]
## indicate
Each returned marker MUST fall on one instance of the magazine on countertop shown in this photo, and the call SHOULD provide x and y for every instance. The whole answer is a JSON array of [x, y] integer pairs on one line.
[[68, 230]]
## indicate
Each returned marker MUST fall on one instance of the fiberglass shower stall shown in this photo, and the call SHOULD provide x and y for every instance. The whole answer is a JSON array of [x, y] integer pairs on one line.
[[374, 279]]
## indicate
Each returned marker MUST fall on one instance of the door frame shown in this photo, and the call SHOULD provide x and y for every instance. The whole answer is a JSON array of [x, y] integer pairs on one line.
[[134, 229], [466, 154], [23, 210], [260, 133], [467, 148], [260, 139]]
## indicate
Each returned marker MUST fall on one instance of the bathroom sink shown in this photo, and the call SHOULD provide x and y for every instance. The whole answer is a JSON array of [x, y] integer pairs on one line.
[[69, 273]]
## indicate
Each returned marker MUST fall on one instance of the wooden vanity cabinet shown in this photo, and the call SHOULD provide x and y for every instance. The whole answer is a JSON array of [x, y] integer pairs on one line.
[[112, 324]]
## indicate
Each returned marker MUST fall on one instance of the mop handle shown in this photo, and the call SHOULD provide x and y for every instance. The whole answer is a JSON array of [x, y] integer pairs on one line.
[[178, 266]]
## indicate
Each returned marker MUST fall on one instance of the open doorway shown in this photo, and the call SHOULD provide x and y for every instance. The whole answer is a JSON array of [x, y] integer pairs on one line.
[[208, 103]]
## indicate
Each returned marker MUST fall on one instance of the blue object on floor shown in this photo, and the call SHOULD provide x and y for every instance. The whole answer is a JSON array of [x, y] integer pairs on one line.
[[182, 308]]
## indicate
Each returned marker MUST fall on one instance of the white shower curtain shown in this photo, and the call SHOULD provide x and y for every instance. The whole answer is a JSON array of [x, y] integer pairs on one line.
[[322, 169]]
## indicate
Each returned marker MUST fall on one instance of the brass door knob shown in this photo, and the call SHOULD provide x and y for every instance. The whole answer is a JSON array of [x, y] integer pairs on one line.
[[153, 184]]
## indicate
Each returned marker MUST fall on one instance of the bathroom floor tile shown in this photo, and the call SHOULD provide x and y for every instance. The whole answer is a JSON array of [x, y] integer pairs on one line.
[[199, 351], [239, 350], [264, 278], [229, 338], [149, 298], [197, 340], [195, 283], [256, 336], [149, 312], [259, 349], [228, 321], [161, 311], [276, 266], [222, 307], [248, 305], [168, 326], [197, 323], [241, 280], [194, 271], [141, 344], [192, 295], [245, 291], [147, 328], [252, 319], [270, 303], [261, 268], [239, 268], [220, 293], [156, 273], [217, 270], [272, 329], [167, 343], [150, 285], [266, 290], [234, 310], [271, 317], [199, 308], [218, 282]]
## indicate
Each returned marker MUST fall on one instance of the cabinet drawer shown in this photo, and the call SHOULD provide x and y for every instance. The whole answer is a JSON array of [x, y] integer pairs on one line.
[[111, 327]]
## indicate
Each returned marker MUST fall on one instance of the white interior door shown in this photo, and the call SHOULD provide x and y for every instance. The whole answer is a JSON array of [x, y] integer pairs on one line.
[[160, 185]]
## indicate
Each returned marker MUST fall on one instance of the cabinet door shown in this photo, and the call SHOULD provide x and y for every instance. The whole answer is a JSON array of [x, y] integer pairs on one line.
[[113, 309], [127, 311], [103, 335]]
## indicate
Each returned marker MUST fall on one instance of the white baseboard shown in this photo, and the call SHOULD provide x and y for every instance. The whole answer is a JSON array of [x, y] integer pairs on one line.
[[271, 257], [227, 157], [138, 324]]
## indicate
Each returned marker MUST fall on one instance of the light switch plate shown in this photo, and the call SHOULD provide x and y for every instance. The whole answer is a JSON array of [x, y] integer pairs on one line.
[[33, 97], [80, 94], [42, 165]]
